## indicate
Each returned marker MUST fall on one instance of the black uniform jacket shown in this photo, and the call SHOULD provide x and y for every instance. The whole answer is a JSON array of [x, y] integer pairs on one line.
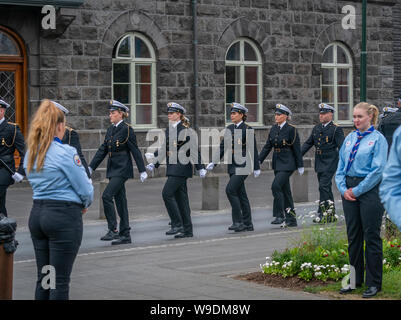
[[388, 124], [287, 148], [71, 137], [11, 138], [117, 146], [177, 169], [327, 141], [241, 142]]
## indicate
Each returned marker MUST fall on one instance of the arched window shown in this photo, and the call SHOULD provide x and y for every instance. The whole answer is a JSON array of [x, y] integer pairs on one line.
[[244, 79], [134, 78], [336, 81]]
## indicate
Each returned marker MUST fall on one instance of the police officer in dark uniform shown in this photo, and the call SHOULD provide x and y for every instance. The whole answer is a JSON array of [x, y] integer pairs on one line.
[[119, 142], [284, 140], [327, 138], [71, 137], [390, 121], [11, 138], [175, 192], [235, 190]]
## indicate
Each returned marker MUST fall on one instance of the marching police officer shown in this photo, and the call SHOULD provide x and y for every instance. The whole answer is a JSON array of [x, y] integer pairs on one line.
[[235, 190], [284, 140], [71, 137], [390, 121], [175, 192], [119, 142], [11, 138], [327, 138]]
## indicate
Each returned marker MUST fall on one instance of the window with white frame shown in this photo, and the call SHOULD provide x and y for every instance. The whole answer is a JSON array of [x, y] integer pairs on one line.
[[337, 81], [134, 78], [244, 79]]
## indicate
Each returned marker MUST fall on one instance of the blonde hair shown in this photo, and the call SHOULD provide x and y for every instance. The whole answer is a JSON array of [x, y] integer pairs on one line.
[[184, 120], [370, 109], [41, 133]]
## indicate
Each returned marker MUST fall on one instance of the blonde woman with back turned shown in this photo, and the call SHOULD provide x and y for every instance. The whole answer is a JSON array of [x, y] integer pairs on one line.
[[62, 192]]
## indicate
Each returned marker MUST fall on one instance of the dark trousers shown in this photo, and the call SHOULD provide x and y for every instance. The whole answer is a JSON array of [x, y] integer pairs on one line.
[[236, 194], [56, 232], [325, 192], [3, 192], [175, 196], [363, 218], [281, 190], [116, 190]]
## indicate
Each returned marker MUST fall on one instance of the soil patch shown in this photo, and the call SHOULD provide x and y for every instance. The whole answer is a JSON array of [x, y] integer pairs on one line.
[[293, 283]]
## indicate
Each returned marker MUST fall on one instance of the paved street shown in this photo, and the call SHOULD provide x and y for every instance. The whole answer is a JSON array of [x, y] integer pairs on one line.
[[156, 266]]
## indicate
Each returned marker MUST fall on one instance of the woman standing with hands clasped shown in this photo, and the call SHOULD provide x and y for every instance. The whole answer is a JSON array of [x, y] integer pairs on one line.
[[62, 192], [361, 163]]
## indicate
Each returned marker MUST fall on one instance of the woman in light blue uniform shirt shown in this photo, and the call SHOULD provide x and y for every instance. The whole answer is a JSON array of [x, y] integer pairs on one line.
[[62, 192], [390, 188], [363, 156]]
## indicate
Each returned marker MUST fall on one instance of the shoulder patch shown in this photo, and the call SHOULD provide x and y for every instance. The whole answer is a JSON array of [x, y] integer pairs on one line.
[[77, 160]]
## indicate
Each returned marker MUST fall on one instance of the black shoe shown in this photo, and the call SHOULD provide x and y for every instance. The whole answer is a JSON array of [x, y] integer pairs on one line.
[[181, 235], [248, 227], [240, 228], [370, 292], [348, 290], [174, 230], [122, 240], [235, 226], [278, 221], [110, 235], [291, 224]]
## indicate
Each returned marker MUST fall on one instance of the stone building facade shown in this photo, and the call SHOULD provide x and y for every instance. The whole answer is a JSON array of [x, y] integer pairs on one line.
[[295, 48]]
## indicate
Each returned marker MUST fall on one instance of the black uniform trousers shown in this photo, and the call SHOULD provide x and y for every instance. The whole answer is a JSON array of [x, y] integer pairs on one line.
[[56, 232], [3, 193], [282, 195], [363, 218], [175, 196], [116, 190], [325, 181], [236, 194]]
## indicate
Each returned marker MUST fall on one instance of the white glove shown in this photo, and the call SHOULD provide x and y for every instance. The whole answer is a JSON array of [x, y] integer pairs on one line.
[[202, 173], [210, 166], [90, 171], [301, 171], [17, 177], [150, 167], [149, 155], [256, 173], [144, 176]]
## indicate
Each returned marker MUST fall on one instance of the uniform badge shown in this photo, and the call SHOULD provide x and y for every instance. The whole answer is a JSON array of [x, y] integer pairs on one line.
[[77, 160]]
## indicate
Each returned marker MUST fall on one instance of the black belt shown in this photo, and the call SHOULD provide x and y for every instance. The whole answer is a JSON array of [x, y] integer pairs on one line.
[[57, 202], [278, 150], [324, 151], [117, 152]]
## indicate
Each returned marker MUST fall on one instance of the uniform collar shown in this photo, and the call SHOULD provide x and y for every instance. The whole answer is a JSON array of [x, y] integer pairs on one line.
[[116, 125], [325, 125], [282, 125], [2, 120], [238, 124], [176, 124]]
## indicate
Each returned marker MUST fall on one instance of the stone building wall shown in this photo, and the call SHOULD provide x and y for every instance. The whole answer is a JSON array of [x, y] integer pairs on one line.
[[74, 66]]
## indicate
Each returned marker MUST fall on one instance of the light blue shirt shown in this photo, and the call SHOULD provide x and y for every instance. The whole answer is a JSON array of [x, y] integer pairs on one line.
[[369, 162], [62, 177], [390, 188]]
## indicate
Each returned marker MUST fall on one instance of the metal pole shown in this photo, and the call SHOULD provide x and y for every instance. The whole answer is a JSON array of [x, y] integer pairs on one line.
[[363, 53], [6, 274]]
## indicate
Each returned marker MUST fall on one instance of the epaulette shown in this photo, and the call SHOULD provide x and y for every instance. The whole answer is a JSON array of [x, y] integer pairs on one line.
[[69, 128], [12, 123]]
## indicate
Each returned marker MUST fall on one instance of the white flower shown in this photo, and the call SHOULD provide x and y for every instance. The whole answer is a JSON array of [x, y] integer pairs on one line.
[[325, 213], [317, 219], [318, 274], [384, 261], [321, 229], [336, 216]]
